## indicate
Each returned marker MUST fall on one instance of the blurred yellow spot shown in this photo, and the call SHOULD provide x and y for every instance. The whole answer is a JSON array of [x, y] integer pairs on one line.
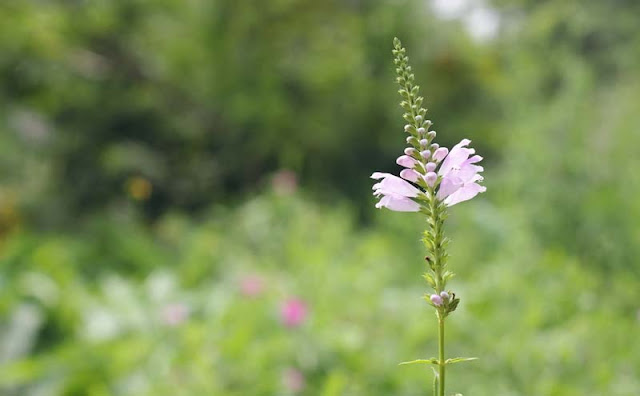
[[9, 214], [139, 188]]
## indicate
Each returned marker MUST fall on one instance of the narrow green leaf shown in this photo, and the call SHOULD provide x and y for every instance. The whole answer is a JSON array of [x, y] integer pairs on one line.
[[429, 278], [459, 360], [417, 361], [436, 384]]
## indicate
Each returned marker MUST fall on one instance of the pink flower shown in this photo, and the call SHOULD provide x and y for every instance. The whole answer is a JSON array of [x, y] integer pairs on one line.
[[395, 193], [440, 153], [174, 314], [431, 178], [410, 174], [251, 286], [284, 182], [460, 175], [406, 161], [293, 380], [436, 300], [293, 312]]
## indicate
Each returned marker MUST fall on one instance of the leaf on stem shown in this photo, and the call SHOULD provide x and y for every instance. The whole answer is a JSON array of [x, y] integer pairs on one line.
[[436, 383], [429, 278], [418, 361], [459, 360]]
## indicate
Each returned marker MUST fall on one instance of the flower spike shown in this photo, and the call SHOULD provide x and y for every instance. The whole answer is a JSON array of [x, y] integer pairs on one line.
[[434, 178]]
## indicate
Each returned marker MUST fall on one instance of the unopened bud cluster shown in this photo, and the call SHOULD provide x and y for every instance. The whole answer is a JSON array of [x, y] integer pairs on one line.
[[422, 157], [445, 302]]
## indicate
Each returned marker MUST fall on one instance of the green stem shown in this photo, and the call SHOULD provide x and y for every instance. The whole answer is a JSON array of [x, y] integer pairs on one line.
[[442, 366]]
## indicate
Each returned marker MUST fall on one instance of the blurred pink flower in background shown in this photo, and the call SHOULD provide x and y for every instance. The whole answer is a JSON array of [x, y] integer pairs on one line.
[[293, 312], [293, 380], [175, 313], [251, 286], [284, 182]]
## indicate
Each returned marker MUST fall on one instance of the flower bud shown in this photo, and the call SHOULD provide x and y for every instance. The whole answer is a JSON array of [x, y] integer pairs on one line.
[[409, 151], [431, 178], [431, 134], [407, 128], [431, 166], [435, 146], [440, 153], [421, 131], [436, 300], [425, 154], [406, 161], [410, 175], [424, 142], [411, 140], [444, 295], [419, 118]]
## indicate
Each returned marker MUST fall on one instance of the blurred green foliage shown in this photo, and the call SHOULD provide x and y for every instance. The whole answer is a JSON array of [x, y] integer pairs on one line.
[[206, 98], [142, 145], [541, 322]]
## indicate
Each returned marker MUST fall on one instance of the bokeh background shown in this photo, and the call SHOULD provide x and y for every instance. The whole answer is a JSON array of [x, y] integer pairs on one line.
[[185, 206]]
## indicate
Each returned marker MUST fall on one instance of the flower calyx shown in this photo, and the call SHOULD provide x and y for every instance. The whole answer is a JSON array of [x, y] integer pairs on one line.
[[445, 302]]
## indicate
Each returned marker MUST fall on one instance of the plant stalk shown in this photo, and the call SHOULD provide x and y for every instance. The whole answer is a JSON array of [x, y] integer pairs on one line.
[[442, 365]]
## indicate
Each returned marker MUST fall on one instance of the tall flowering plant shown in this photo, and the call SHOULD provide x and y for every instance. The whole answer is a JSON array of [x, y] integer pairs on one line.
[[434, 178]]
